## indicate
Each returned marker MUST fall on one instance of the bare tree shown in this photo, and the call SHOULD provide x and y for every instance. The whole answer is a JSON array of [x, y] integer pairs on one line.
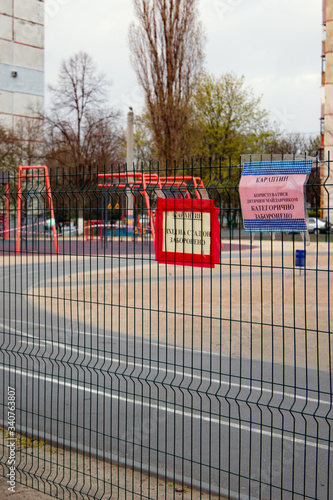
[[29, 141], [79, 123], [22, 146], [83, 135], [7, 149], [167, 55], [293, 143]]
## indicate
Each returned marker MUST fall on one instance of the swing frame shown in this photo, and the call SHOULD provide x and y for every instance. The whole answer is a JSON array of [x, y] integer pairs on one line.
[[23, 173]]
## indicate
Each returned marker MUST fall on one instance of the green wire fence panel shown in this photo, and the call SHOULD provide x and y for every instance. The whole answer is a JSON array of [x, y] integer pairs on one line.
[[124, 376]]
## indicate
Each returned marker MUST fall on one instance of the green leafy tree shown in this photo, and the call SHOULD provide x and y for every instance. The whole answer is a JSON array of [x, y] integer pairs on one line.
[[229, 117], [228, 122]]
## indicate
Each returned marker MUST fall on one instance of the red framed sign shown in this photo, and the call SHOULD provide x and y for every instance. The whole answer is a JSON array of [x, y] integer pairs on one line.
[[187, 232]]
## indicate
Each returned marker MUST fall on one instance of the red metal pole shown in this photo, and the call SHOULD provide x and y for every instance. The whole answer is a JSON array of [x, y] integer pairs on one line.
[[49, 196], [18, 212], [6, 221]]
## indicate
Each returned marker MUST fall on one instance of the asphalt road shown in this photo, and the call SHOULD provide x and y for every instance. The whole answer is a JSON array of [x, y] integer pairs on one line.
[[252, 428]]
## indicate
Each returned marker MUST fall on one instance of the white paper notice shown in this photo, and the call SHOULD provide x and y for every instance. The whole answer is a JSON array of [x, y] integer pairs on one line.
[[187, 232]]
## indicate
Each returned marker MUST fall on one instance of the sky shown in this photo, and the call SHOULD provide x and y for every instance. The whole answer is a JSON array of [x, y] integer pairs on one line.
[[275, 44]]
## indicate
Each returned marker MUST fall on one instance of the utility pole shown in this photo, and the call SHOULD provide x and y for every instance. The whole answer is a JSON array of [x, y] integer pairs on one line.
[[130, 170], [130, 140]]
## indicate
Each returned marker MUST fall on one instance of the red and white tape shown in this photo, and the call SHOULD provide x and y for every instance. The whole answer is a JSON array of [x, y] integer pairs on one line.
[[22, 229]]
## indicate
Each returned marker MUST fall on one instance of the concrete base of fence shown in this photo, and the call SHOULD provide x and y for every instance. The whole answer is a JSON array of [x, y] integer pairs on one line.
[[50, 471]]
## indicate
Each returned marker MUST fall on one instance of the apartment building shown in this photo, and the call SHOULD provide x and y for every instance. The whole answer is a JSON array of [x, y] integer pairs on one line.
[[21, 60]]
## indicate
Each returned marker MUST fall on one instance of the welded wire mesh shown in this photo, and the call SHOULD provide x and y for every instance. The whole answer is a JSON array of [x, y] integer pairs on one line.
[[126, 378]]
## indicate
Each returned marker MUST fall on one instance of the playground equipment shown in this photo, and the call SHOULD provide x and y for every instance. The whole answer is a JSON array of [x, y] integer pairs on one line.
[[24, 173], [4, 181], [184, 184], [90, 226], [151, 186], [134, 183]]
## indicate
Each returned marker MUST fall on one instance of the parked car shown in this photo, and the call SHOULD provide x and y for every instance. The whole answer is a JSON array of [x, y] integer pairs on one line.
[[316, 226]]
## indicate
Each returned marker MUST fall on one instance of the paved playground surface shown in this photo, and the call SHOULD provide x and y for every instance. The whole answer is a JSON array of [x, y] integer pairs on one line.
[[79, 246], [255, 304]]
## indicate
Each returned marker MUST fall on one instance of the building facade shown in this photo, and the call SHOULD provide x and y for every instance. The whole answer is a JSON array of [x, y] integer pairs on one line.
[[21, 60], [327, 81], [327, 108]]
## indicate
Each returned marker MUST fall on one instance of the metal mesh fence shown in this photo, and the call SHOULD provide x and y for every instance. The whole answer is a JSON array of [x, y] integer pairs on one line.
[[126, 378]]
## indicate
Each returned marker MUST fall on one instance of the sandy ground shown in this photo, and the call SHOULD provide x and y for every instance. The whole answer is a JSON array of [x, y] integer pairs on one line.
[[253, 304]]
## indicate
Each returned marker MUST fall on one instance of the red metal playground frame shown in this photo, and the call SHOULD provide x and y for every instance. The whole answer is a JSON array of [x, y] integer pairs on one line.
[[142, 182], [4, 180], [23, 173]]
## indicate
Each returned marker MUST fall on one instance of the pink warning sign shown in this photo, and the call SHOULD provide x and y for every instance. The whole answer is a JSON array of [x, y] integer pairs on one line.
[[272, 196]]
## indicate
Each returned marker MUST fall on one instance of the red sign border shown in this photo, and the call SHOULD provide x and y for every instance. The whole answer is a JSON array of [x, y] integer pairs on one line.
[[188, 259]]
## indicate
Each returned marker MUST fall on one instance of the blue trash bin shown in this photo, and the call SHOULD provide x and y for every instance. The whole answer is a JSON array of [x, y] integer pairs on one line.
[[300, 258]]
